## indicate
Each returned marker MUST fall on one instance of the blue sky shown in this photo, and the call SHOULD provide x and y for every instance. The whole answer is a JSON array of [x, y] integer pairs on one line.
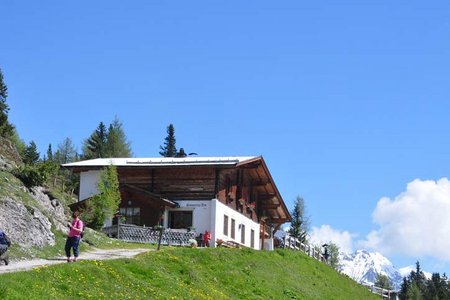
[[346, 100]]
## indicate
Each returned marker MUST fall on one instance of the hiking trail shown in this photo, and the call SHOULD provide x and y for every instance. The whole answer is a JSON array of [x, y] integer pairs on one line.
[[98, 254]]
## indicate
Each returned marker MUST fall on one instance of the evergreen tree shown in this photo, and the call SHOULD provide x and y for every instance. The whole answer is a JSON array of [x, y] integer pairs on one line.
[[414, 286], [116, 141], [437, 287], [66, 152], [406, 285], [95, 145], [106, 202], [419, 278], [382, 281], [300, 222], [169, 149], [333, 260], [414, 292], [6, 129], [31, 156], [49, 153]]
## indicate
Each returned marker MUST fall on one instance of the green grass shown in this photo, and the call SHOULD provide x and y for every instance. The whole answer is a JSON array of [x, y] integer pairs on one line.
[[91, 241], [184, 273]]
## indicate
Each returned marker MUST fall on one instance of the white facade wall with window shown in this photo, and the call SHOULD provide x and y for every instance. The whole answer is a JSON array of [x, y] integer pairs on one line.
[[243, 226], [201, 214], [210, 215]]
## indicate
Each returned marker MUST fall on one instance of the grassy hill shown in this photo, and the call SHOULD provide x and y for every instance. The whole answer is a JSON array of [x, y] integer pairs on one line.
[[184, 273]]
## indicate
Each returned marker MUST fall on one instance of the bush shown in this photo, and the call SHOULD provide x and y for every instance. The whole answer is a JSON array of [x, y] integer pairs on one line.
[[31, 175]]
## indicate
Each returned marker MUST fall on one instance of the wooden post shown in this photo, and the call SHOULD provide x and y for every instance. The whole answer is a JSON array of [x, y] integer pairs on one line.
[[161, 213], [160, 238]]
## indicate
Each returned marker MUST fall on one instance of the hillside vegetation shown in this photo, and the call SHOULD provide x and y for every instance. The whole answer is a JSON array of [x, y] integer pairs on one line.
[[184, 273], [35, 218]]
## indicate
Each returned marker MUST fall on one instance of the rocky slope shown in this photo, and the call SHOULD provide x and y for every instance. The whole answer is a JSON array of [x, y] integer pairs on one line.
[[30, 217]]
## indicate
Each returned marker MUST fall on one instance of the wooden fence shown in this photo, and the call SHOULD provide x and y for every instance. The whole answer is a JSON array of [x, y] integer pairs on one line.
[[289, 242], [383, 293], [295, 244], [140, 234]]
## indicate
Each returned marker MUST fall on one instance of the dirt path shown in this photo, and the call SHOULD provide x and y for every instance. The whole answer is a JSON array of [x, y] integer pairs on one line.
[[99, 254]]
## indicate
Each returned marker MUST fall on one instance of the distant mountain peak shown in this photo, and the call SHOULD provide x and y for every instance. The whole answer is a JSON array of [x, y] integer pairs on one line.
[[363, 266]]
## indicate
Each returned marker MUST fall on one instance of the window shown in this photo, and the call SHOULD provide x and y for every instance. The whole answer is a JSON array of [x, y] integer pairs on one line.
[[132, 215], [225, 225], [242, 234], [180, 219], [233, 228], [252, 238]]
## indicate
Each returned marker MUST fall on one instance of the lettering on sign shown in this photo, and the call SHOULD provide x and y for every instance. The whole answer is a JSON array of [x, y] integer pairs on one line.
[[195, 205]]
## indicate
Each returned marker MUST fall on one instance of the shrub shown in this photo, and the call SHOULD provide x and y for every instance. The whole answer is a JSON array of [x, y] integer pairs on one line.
[[32, 175]]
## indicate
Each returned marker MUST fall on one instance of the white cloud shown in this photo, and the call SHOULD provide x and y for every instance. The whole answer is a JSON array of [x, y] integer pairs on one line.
[[325, 234], [415, 223]]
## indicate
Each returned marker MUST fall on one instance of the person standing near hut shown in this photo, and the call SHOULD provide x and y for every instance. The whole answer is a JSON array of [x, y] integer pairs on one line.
[[207, 238], [74, 237]]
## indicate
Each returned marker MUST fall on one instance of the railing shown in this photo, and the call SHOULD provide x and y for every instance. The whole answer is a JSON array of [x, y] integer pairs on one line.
[[140, 234], [295, 244], [384, 293]]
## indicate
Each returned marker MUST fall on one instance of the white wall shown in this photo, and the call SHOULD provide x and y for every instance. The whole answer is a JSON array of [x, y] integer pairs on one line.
[[220, 211], [201, 214], [88, 184], [209, 215]]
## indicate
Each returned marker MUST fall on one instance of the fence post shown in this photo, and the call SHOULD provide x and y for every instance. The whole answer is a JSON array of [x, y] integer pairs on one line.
[[160, 237]]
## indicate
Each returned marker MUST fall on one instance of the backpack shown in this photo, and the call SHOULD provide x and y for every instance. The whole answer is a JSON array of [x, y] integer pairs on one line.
[[4, 240], [82, 232]]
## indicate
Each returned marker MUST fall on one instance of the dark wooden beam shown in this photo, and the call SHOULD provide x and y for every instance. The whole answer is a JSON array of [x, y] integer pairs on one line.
[[279, 220], [216, 182], [252, 165], [268, 206], [266, 197], [259, 183]]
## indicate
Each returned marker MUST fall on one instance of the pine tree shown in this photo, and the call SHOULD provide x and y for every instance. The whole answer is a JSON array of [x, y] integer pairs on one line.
[[169, 149], [31, 156], [6, 129], [49, 153], [333, 260], [382, 281], [66, 152], [300, 222], [106, 202], [116, 141], [94, 146], [414, 286]]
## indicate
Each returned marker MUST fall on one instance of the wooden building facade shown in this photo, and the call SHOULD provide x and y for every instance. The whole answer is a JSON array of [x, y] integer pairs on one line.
[[223, 195]]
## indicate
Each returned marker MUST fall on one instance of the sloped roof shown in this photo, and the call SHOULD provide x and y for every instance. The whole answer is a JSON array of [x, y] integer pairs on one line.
[[160, 161], [272, 202]]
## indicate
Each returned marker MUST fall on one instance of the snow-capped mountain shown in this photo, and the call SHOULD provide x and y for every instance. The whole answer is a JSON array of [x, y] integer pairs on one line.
[[363, 267]]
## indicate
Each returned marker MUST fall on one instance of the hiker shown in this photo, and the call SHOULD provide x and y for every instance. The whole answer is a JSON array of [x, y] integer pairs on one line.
[[4, 244], [74, 237]]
